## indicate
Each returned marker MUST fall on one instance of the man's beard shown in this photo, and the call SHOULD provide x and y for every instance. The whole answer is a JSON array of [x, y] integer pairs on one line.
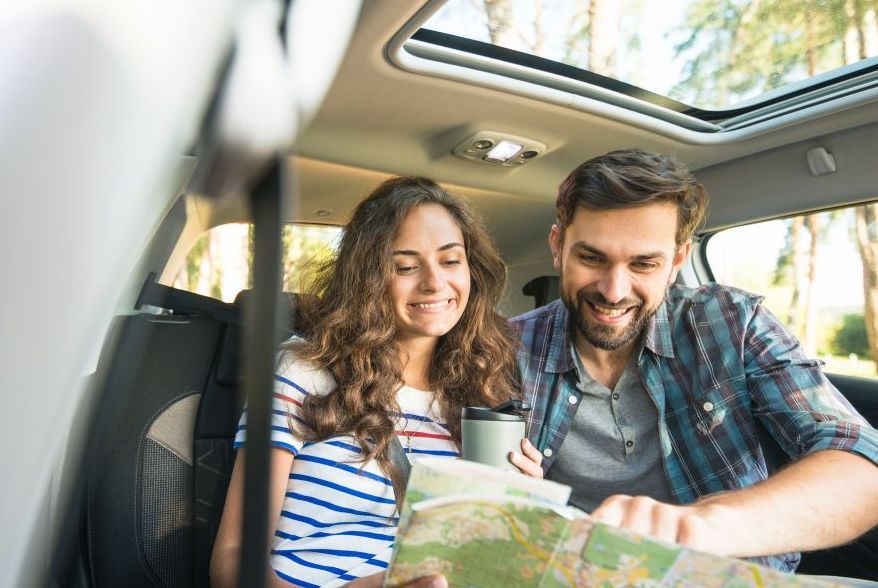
[[603, 336]]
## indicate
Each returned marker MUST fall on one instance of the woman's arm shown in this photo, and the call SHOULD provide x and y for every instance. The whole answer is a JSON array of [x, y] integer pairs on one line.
[[226, 555]]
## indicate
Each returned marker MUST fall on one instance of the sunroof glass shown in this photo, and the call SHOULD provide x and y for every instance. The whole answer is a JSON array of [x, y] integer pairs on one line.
[[713, 55]]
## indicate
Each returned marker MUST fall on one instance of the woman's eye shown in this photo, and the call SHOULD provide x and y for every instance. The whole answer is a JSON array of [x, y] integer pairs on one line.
[[452, 262], [405, 269]]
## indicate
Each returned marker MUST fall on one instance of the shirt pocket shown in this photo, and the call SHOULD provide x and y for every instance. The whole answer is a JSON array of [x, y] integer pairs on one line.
[[724, 431]]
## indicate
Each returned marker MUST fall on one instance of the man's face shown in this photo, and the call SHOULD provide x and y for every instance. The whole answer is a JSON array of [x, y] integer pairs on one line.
[[616, 266]]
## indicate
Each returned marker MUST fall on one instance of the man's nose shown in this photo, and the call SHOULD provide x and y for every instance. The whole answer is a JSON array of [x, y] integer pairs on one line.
[[615, 285]]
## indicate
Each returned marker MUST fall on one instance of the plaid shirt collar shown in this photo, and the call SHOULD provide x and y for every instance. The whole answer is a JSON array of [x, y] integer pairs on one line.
[[657, 338]]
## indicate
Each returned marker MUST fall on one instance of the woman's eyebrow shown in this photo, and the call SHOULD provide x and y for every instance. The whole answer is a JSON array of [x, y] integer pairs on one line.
[[445, 247]]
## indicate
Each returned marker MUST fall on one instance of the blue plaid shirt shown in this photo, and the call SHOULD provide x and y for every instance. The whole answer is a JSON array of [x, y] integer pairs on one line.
[[712, 359]]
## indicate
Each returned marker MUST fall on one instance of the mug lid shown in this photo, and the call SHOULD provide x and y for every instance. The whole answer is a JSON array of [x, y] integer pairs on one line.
[[475, 413]]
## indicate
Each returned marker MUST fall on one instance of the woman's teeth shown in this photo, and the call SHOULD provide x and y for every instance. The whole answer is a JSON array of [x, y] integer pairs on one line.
[[432, 304]]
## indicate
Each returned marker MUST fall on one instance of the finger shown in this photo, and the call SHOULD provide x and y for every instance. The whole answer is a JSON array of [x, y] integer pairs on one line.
[[531, 452], [638, 515], [665, 522], [525, 465], [435, 581], [693, 531], [612, 510], [377, 581]]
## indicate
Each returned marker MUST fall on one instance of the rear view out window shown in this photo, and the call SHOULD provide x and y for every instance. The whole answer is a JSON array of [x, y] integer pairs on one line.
[[811, 271], [219, 265]]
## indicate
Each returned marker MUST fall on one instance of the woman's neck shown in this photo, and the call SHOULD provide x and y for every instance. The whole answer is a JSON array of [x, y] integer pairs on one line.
[[418, 356]]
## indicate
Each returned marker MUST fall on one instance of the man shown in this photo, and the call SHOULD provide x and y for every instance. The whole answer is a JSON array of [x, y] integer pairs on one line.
[[646, 393]]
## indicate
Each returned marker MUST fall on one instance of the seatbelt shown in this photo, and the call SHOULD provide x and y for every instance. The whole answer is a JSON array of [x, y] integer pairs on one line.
[[399, 459]]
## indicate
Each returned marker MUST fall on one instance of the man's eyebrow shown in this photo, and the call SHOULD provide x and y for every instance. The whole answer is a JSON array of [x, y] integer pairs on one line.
[[585, 247], [445, 247]]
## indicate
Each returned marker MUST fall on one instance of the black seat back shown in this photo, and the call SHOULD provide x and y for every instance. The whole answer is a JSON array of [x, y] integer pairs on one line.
[[544, 289], [168, 408]]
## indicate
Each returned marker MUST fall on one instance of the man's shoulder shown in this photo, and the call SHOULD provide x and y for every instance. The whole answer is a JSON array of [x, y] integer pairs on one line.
[[711, 294]]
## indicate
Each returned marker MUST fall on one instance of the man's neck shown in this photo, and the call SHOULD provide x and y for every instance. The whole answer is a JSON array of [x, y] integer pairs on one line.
[[604, 366]]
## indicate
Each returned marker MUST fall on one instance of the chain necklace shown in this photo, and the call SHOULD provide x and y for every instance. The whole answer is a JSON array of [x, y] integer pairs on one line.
[[408, 436]]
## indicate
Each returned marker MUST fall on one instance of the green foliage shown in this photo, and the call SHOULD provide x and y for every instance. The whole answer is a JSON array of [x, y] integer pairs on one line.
[[850, 337], [737, 49], [193, 263]]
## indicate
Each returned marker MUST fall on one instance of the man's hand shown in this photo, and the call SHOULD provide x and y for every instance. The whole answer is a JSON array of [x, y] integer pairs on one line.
[[528, 461], [697, 526], [377, 581]]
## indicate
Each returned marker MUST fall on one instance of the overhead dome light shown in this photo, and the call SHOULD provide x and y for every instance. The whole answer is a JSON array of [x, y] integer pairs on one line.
[[502, 151], [496, 148]]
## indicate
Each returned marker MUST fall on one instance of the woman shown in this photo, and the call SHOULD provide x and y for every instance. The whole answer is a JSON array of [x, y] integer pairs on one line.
[[403, 335]]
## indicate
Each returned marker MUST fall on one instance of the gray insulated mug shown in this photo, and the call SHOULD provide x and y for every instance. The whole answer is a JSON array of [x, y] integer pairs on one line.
[[489, 434]]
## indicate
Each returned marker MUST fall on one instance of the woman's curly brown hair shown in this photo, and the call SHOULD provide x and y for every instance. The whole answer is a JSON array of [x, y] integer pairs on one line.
[[352, 328]]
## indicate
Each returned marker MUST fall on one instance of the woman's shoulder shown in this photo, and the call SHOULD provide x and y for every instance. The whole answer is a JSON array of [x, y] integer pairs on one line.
[[305, 375]]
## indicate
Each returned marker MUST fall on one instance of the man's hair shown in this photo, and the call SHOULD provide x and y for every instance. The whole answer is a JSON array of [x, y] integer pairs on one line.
[[630, 178]]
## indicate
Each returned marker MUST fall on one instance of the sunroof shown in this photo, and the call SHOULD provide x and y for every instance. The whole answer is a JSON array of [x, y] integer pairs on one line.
[[712, 60]]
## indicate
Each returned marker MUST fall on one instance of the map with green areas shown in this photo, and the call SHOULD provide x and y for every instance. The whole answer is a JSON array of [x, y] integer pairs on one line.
[[487, 528]]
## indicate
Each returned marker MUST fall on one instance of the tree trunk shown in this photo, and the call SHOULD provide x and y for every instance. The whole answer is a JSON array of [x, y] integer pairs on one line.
[[867, 244], [603, 35], [500, 30], [809, 326], [794, 314]]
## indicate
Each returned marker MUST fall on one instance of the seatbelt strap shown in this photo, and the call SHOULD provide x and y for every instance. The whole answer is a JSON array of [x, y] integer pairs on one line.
[[399, 459]]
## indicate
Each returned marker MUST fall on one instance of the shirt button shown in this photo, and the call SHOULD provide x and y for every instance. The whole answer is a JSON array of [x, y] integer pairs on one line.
[[615, 396], [572, 399], [547, 452], [707, 406], [629, 444]]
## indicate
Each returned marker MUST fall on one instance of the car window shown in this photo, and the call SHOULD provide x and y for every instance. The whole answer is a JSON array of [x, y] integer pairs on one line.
[[811, 271], [219, 264]]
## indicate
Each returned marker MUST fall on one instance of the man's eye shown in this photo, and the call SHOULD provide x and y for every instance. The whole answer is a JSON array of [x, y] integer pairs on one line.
[[592, 259], [645, 266]]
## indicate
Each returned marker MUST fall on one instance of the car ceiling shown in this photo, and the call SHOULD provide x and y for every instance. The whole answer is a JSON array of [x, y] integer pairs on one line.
[[379, 120]]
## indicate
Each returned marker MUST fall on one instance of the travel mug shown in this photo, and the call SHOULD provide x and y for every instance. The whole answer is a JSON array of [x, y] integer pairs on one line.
[[489, 434]]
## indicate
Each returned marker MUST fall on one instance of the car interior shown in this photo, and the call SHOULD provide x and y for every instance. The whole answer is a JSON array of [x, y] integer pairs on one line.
[[133, 143]]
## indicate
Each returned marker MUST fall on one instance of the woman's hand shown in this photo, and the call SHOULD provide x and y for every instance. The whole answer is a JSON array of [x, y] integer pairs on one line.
[[528, 461], [377, 581]]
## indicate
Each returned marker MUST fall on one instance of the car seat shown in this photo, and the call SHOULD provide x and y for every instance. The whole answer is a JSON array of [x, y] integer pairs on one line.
[[169, 404]]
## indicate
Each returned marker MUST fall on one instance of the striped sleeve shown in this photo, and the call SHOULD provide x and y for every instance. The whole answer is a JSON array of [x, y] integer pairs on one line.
[[294, 381]]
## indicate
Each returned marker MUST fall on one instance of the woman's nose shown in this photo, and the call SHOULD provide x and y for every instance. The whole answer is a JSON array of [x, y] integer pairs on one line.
[[432, 279]]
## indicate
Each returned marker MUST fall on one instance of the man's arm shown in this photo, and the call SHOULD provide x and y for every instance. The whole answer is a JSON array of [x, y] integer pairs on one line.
[[825, 499]]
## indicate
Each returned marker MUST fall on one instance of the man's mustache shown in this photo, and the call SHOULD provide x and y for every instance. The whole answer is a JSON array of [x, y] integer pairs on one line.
[[598, 298]]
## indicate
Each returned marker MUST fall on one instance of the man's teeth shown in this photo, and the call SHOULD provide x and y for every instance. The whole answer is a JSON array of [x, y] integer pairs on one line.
[[610, 312], [432, 304]]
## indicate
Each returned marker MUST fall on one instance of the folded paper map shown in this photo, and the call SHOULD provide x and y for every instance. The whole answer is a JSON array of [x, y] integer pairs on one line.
[[484, 527]]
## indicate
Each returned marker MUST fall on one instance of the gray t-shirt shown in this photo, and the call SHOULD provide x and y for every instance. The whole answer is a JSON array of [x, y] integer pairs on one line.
[[613, 445]]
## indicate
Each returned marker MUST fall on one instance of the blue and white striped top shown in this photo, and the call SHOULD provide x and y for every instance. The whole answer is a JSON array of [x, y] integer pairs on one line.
[[338, 519]]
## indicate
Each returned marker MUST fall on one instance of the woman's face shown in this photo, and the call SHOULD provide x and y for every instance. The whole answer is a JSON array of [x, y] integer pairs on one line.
[[430, 286]]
